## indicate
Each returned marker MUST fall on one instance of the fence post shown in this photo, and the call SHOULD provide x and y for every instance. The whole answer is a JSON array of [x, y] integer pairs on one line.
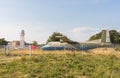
[[82, 47], [6, 50], [30, 50]]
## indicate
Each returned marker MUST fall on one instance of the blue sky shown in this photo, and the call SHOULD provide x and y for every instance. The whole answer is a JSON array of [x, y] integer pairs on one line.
[[78, 19]]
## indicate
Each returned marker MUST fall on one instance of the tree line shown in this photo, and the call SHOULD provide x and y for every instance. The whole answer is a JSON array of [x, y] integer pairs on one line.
[[3, 41], [114, 36]]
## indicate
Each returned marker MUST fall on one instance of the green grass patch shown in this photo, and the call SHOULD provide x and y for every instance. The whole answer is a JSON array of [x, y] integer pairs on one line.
[[62, 66]]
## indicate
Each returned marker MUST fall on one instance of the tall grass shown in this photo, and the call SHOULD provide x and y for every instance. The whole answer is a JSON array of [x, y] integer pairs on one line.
[[69, 65]]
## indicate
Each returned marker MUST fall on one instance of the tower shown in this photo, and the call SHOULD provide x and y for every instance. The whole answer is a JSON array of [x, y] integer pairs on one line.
[[22, 42]]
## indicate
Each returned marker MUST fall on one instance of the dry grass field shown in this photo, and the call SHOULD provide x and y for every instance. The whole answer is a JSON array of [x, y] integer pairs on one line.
[[95, 63], [17, 54], [38, 51]]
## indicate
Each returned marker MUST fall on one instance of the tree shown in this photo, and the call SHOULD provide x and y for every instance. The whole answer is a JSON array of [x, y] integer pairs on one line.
[[34, 43], [115, 36], [96, 36], [56, 37], [3, 41]]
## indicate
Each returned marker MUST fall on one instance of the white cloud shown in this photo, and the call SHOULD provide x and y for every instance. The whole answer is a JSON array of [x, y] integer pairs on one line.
[[82, 33], [118, 30], [83, 30]]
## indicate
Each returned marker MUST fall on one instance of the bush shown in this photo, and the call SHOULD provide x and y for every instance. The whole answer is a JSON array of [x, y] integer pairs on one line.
[[117, 49]]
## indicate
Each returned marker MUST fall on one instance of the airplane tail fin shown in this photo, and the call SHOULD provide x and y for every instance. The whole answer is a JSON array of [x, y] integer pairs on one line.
[[105, 38]]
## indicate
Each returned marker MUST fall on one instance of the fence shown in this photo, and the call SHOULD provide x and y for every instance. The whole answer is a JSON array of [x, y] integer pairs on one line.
[[6, 50]]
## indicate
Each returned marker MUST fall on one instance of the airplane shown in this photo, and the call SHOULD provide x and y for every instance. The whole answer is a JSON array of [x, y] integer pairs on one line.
[[72, 45]]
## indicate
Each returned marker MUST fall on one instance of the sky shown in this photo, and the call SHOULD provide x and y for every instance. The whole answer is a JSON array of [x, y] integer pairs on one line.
[[77, 19]]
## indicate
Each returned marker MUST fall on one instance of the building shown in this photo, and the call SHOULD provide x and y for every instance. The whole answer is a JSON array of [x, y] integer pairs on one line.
[[15, 44], [19, 43]]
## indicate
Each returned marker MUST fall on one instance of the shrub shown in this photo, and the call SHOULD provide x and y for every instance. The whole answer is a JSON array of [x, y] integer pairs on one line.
[[117, 49]]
